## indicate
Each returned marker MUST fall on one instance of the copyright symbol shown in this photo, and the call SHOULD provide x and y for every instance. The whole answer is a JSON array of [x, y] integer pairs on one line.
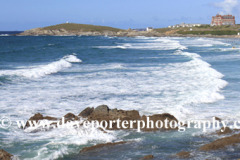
[[5, 122]]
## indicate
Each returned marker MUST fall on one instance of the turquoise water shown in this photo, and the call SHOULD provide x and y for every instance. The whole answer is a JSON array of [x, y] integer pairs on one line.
[[191, 78]]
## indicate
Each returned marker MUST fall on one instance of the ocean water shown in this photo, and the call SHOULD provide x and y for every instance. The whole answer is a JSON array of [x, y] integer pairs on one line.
[[191, 78], [9, 33]]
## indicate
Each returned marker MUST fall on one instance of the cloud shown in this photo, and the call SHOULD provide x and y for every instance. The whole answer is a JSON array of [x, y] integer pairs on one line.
[[227, 6]]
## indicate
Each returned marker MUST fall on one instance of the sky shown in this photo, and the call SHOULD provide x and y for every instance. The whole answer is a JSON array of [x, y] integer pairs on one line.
[[27, 14]]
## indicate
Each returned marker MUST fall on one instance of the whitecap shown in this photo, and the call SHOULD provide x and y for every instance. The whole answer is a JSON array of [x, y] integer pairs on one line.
[[42, 70]]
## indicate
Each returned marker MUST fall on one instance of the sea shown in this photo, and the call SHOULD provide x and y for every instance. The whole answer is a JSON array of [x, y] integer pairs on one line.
[[190, 78]]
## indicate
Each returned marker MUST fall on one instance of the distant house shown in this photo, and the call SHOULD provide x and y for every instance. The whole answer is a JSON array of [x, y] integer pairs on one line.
[[67, 22], [149, 28], [187, 25], [220, 20]]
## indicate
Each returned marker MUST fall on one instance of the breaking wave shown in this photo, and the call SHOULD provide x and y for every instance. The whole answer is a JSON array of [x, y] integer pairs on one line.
[[42, 70]]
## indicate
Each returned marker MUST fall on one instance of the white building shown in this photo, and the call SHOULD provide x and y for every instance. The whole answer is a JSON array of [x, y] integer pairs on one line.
[[187, 25], [149, 28]]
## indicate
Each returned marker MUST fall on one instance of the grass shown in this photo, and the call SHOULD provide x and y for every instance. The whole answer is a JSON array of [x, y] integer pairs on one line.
[[201, 30], [81, 27], [204, 30], [162, 30]]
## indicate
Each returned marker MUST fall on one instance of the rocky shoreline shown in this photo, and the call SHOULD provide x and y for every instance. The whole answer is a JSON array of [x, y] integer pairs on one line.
[[103, 112], [126, 33], [5, 155]]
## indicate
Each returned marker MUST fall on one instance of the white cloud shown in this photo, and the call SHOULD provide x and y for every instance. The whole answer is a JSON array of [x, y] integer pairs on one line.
[[227, 6]]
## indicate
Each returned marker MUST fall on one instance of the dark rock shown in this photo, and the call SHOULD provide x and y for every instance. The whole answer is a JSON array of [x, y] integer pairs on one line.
[[69, 116], [226, 131], [183, 154], [5, 155], [104, 113], [147, 157], [50, 118], [219, 119], [115, 114], [101, 110], [161, 117], [86, 112], [221, 143], [102, 145], [38, 117]]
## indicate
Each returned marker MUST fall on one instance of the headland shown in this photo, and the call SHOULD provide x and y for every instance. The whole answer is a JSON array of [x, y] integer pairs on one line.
[[73, 29]]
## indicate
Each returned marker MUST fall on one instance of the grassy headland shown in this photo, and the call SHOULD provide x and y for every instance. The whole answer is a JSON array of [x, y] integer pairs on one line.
[[81, 27], [93, 30], [202, 30]]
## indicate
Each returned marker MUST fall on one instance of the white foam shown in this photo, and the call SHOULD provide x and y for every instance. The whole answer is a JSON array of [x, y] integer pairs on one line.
[[212, 41], [203, 42], [72, 58], [152, 43], [59, 141], [42, 70], [4, 35], [230, 49], [192, 55], [172, 88]]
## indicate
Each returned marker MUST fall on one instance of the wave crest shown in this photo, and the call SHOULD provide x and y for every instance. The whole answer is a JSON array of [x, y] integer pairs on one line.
[[42, 70]]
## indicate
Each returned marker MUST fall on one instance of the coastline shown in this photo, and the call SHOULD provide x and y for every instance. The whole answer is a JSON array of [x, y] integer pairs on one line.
[[127, 33]]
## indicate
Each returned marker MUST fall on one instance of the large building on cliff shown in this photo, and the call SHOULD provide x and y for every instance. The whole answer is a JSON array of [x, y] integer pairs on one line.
[[219, 20]]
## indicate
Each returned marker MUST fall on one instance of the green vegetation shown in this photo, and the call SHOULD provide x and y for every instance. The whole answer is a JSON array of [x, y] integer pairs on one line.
[[81, 27], [203, 30], [162, 30], [207, 26], [218, 32]]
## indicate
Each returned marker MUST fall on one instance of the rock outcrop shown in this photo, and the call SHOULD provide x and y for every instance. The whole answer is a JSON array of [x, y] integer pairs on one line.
[[70, 117], [159, 117], [115, 117], [38, 117], [5, 155], [226, 131], [100, 146], [221, 143], [183, 154], [217, 118], [147, 157], [86, 112], [104, 113]]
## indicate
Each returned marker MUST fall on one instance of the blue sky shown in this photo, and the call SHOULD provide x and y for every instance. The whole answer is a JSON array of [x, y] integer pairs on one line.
[[27, 14]]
